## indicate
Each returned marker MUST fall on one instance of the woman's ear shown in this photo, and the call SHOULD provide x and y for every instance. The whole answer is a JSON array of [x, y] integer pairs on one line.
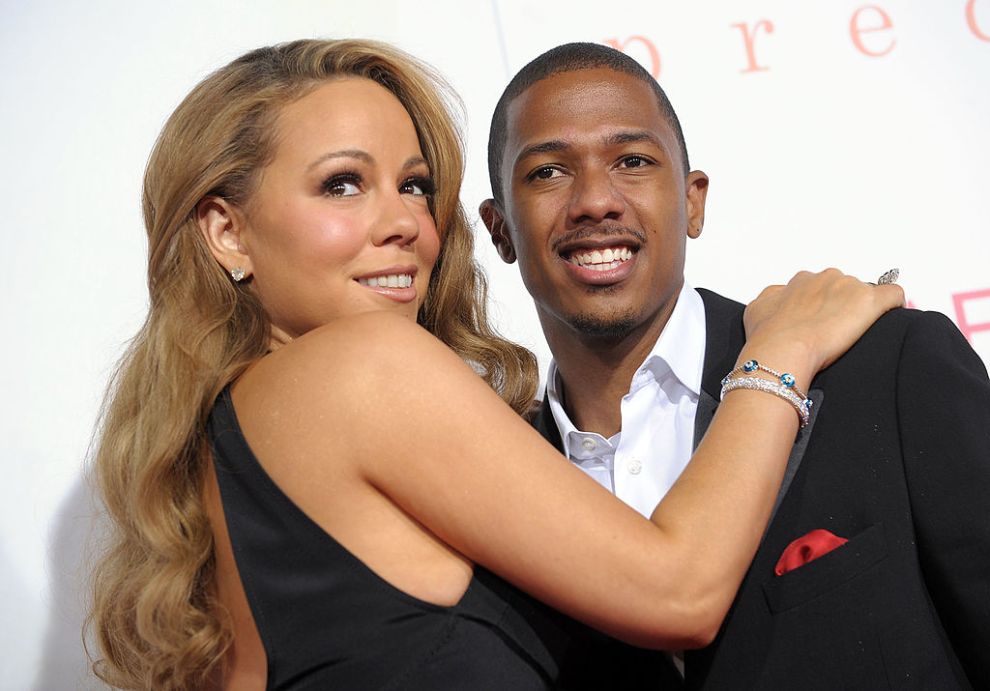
[[222, 224]]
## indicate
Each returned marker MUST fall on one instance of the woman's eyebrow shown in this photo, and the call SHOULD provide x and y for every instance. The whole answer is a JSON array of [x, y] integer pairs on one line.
[[344, 153]]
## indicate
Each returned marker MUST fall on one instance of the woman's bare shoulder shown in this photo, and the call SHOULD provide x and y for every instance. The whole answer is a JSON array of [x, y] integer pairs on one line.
[[345, 349], [336, 371]]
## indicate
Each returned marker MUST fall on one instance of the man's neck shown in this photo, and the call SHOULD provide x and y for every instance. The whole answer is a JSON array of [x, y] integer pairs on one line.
[[596, 372]]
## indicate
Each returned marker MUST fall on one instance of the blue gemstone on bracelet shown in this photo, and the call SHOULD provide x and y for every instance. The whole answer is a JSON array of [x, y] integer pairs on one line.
[[807, 404], [725, 380], [787, 380], [751, 366]]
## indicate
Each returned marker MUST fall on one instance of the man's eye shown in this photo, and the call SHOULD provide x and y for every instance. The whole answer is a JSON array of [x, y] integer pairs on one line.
[[342, 186], [545, 173], [635, 162]]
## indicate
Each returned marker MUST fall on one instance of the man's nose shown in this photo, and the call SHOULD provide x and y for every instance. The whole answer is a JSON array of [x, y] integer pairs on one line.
[[594, 198]]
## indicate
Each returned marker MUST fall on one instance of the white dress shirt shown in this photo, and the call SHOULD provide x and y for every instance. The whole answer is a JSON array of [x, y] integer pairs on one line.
[[641, 463]]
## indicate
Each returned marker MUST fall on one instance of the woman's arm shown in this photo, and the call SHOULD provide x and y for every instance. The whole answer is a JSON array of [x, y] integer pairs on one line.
[[424, 430]]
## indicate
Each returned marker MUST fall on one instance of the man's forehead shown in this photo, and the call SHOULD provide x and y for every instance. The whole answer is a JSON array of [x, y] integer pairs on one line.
[[594, 85], [597, 104]]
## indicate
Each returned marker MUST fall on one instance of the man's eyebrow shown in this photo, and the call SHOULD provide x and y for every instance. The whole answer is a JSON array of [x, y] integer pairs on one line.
[[634, 136], [549, 146], [345, 153]]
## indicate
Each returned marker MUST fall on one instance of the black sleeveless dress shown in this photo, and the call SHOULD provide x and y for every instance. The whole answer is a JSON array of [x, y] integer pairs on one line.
[[328, 622]]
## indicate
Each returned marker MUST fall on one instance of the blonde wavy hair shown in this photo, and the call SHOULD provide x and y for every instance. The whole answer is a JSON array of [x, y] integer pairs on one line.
[[154, 612]]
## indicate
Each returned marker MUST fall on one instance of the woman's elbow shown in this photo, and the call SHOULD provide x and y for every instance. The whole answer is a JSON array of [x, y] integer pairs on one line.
[[690, 625], [699, 638]]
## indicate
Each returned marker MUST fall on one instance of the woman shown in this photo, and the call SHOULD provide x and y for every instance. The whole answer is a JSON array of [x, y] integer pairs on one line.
[[310, 488]]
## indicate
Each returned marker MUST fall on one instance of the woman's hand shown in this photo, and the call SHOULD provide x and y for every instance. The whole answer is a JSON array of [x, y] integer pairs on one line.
[[816, 317]]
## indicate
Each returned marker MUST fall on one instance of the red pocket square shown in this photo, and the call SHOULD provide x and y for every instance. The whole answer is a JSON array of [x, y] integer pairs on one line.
[[807, 548]]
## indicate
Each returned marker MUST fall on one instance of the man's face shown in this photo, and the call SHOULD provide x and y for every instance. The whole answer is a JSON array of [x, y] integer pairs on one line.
[[597, 208]]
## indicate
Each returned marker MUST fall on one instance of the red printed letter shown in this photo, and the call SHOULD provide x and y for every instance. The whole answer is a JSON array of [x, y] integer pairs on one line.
[[856, 31], [749, 37], [969, 328], [650, 49], [971, 21]]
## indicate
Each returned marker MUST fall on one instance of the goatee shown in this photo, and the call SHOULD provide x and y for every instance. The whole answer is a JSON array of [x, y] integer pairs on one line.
[[605, 327]]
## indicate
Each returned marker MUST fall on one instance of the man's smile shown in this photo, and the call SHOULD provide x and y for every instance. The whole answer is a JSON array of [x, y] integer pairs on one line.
[[600, 255], [600, 259], [601, 265]]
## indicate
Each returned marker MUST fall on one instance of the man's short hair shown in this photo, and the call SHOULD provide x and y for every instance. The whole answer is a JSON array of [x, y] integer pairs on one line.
[[569, 57]]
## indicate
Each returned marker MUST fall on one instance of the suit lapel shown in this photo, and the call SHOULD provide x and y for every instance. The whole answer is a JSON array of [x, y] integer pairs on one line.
[[800, 444], [544, 423], [724, 339], [703, 417]]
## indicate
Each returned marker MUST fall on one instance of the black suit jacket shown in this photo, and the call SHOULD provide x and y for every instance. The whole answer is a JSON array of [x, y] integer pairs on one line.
[[897, 460]]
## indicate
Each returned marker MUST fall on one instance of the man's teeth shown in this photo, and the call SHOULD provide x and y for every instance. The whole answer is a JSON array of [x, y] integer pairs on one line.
[[601, 260], [390, 281]]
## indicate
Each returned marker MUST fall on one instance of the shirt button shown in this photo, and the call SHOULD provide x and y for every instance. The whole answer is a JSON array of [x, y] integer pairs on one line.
[[634, 466], [589, 444]]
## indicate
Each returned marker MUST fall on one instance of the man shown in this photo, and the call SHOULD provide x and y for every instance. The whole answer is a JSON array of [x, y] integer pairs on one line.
[[594, 196]]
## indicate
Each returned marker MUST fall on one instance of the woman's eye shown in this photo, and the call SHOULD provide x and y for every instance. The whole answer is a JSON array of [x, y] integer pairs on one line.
[[342, 186], [419, 186]]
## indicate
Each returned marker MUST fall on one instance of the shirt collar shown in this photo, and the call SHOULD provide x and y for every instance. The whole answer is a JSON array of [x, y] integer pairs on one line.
[[680, 349], [681, 346], [560, 416]]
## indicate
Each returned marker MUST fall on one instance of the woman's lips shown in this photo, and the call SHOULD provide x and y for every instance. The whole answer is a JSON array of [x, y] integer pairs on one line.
[[398, 284], [399, 280]]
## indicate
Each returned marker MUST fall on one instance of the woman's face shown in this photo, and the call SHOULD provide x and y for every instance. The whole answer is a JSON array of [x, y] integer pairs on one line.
[[339, 222]]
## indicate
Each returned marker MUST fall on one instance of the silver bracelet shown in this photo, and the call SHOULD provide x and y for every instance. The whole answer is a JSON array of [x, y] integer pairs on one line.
[[801, 404], [751, 366]]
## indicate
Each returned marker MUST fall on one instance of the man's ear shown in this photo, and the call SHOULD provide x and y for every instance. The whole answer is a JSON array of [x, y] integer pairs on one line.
[[492, 217], [696, 191], [222, 224]]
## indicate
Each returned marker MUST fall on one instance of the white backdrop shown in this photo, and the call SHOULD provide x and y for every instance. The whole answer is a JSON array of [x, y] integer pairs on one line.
[[841, 132]]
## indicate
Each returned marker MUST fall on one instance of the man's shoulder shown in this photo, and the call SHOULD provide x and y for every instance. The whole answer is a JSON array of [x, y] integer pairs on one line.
[[917, 328], [723, 318], [716, 301], [906, 339], [893, 326], [895, 331]]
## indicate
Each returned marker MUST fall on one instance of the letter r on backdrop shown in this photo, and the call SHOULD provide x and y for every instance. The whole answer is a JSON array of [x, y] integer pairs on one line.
[[749, 38]]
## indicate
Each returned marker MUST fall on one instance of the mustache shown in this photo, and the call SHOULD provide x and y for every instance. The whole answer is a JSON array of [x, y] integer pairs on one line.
[[598, 232]]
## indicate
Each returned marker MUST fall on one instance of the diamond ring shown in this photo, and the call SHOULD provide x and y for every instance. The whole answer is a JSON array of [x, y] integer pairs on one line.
[[889, 277]]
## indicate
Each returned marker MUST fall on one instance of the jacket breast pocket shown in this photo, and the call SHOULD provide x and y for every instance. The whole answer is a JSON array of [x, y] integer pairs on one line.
[[827, 572]]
